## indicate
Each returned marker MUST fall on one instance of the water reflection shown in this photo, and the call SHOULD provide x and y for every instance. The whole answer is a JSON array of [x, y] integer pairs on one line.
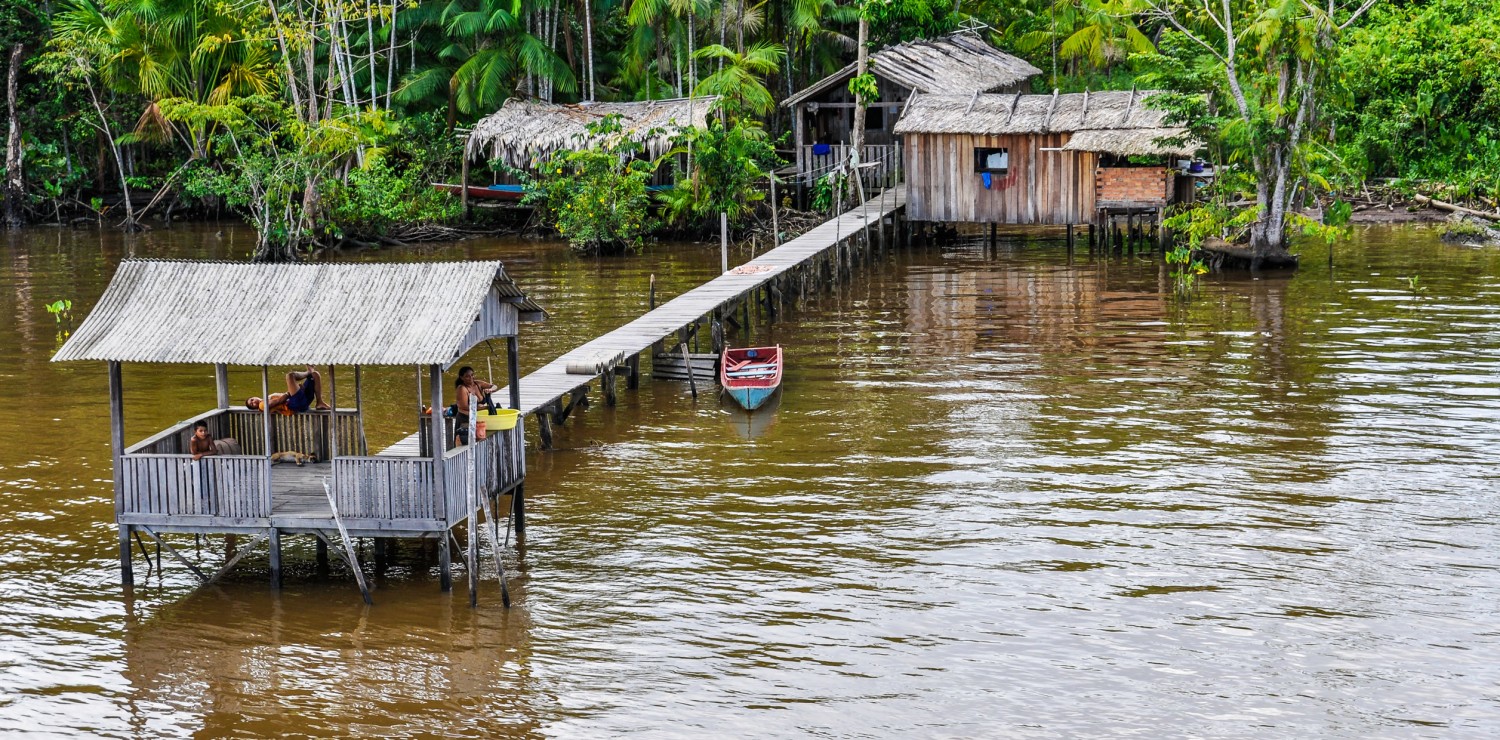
[[1002, 493], [218, 664]]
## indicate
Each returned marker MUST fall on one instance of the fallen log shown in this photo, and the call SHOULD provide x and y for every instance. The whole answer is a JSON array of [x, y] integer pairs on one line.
[[1451, 208]]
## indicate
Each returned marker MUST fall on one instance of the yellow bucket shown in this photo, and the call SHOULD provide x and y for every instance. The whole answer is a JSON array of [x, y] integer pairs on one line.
[[499, 421]]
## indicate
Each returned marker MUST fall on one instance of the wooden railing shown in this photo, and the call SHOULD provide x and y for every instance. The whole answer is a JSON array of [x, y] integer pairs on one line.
[[885, 158], [306, 433], [385, 488], [175, 485], [499, 464]]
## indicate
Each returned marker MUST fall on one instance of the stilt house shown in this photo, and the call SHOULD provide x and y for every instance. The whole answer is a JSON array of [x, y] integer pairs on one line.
[[958, 64], [1038, 159], [423, 316]]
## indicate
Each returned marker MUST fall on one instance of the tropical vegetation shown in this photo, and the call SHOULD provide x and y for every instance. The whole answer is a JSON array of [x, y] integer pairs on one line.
[[323, 120]]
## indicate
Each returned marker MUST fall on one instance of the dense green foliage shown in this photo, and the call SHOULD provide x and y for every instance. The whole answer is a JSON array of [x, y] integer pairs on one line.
[[596, 197], [325, 119], [730, 167], [1420, 86]]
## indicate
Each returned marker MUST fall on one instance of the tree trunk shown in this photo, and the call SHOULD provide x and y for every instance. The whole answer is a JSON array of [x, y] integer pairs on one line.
[[857, 137], [13, 181]]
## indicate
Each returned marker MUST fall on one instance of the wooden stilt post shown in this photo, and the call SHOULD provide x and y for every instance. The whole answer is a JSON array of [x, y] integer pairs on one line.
[[992, 235], [359, 413], [518, 512], [445, 563], [437, 436], [513, 369], [607, 386], [1070, 240], [471, 502], [544, 427], [274, 539], [117, 450], [633, 371], [265, 423], [322, 548]]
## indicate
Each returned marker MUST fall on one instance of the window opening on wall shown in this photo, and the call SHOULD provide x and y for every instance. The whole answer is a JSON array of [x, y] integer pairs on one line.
[[992, 160], [874, 118]]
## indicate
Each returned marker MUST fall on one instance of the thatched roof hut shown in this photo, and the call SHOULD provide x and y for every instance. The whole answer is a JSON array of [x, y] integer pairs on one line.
[[1112, 122], [957, 64], [523, 131]]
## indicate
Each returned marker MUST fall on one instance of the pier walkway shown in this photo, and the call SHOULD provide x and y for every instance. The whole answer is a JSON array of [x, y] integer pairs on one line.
[[550, 383]]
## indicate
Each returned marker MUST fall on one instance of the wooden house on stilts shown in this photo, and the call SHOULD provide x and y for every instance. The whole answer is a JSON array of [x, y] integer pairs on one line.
[[423, 316], [957, 64], [1055, 159]]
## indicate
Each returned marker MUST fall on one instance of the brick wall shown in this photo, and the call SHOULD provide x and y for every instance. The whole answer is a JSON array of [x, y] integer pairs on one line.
[[1136, 184]]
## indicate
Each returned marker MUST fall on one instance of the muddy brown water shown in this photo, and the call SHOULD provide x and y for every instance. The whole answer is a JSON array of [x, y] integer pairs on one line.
[[1004, 493]]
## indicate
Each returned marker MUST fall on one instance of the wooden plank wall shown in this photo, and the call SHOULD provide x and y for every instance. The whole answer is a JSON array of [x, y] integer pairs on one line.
[[385, 488], [495, 319], [1042, 187], [174, 485]]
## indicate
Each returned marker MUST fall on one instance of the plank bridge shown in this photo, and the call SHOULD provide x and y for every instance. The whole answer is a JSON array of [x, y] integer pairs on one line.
[[770, 280]]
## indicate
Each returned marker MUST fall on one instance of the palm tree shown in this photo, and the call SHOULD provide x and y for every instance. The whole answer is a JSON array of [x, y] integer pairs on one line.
[[739, 80], [165, 49], [483, 51]]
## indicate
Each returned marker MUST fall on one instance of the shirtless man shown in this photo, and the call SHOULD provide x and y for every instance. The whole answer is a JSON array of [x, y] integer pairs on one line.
[[302, 389]]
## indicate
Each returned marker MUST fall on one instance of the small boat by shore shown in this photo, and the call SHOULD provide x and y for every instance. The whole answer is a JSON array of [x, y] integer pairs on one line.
[[486, 192], [750, 375]]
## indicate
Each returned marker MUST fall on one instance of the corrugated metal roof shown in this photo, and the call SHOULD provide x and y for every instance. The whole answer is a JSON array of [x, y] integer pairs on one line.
[[241, 313], [957, 64], [1031, 114]]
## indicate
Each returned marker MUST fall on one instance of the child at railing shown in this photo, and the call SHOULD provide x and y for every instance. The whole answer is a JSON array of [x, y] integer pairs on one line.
[[203, 444]]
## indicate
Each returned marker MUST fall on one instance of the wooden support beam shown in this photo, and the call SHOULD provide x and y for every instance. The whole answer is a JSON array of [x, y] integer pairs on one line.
[[607, 386], [518, 512], [544, 427], [338, 521], [322, 557], [445, 563], [238, 556], [173, 552], [274, 538], [221, 384], [513, 369], [117, 449], [633, 371]]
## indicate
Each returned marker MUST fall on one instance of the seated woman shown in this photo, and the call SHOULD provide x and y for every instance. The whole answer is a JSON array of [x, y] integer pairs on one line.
[[302, 389], [471, 390]]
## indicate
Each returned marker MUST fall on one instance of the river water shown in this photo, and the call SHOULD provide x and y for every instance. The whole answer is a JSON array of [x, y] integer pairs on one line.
[[1004, 493]]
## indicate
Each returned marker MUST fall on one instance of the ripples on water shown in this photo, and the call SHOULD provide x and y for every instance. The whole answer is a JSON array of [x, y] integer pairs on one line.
[[1004, 493]]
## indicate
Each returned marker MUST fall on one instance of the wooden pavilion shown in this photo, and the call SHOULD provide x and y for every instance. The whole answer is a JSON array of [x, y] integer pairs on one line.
[[961, 63], [1058, 159], [421, 315]]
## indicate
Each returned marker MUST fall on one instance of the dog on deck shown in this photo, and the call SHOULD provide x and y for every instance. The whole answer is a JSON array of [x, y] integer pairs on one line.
[[292, 457]]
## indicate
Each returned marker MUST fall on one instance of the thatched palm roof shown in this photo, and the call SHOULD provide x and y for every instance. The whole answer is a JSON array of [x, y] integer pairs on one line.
[[957, 64], [523, 131], [239, 313], [1117, 122]]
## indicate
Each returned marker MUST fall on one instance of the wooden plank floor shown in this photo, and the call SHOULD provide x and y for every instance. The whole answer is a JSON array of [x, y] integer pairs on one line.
[[553, 381]]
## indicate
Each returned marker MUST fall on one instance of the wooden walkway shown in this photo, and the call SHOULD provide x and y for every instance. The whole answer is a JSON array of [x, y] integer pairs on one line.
[[553, 381]]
